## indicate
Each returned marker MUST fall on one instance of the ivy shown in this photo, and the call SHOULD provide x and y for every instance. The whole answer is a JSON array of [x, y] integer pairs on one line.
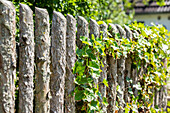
[[150, 46]]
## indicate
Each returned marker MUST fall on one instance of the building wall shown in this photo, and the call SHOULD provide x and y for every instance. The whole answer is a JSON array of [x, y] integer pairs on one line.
[[148, 18]]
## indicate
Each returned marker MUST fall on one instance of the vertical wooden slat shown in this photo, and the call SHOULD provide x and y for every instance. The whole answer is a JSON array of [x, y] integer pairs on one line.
[[156, 98], [134, 75], [163, 92], [7, 56], [71, 57], [112, 76], [26, 60], [42, 59], [103, 74], [82, 30], [121, 75], [128, 63], [94, 30], [58, 63]]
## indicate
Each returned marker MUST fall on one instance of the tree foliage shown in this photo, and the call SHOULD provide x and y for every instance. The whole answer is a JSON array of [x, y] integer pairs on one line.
[[110, 11]]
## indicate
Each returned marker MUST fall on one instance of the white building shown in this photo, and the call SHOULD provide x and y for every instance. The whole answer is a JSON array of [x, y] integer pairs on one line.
[[153, 13]]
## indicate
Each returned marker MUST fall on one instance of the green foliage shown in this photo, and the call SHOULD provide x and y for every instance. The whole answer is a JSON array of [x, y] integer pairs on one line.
[[150, 48], [110, 11]]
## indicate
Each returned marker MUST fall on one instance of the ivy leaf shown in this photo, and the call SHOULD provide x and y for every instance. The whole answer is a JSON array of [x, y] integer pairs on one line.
[[105, 82], [137, 86], [105, 101], [79, 95]]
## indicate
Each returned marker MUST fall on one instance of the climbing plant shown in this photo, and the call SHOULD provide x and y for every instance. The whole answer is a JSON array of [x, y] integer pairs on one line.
[[149, 48]]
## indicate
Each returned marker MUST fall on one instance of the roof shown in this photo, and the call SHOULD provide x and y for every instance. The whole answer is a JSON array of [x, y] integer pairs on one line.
[[152, 7]]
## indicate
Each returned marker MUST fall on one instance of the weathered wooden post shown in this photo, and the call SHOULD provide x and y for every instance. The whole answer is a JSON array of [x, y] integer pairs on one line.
[[112, 76], [134, 73], [42, 59], [26, 60], [128, 63], [71, 58], [103, 74], [121, 74], [94, 30], [58, 63], [163, 92], [7, 56], [82, 30]]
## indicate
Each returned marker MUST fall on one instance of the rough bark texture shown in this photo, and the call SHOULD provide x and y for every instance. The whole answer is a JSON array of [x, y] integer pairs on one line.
[[42, 57], [58, 63], [82, 30], [26, 60], [120, 72], [94, 30], [7, 57], [71, 57], [103, 74], [112, 82], [112, 76]]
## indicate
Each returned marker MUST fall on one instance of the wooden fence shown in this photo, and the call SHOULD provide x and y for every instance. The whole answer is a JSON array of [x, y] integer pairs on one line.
[[54, 56]]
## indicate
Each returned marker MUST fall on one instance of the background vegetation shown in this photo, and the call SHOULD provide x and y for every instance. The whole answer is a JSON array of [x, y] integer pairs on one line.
[[110, 11]]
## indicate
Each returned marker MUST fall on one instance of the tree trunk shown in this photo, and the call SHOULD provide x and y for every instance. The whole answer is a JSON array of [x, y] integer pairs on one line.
[[58, 63], [71, 58], [42, 59], [26, 60], [7, 57]]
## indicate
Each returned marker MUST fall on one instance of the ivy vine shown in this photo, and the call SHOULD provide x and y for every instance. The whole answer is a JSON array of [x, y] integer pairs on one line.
[[149, 47]]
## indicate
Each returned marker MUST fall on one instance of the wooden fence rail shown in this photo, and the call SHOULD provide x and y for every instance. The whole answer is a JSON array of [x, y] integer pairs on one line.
[[55, 56]]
